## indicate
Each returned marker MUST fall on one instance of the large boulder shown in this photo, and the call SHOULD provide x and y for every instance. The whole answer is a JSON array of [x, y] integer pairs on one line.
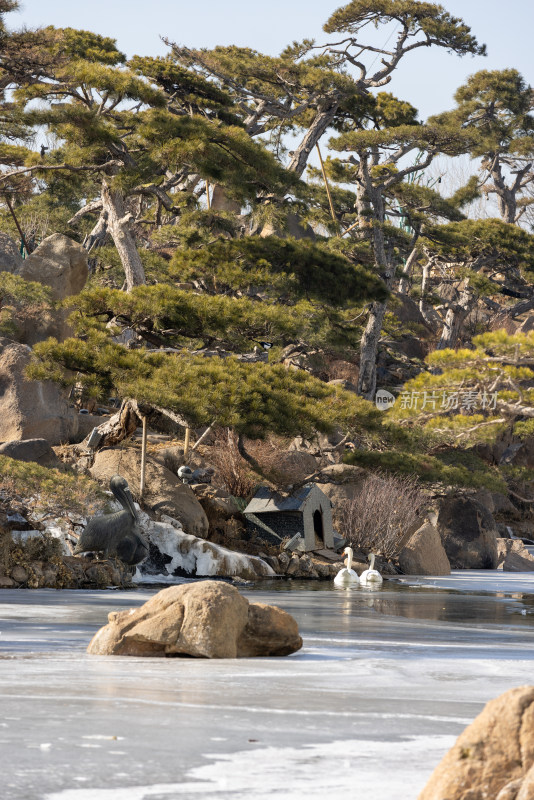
[[207, 619], [513, 556], [30, 409], [10, 258], [341, 482], [493, 759], [424, 553], [37, 450], [58, 262], [164, 492], [468, 533]]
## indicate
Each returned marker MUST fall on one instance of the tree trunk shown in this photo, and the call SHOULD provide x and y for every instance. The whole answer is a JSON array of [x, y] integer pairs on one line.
[[369, 349], [119, 228], [507, 196], [428, 313], [454, 318], [313, 134], [97, 236], [404, 284], [371, 335]]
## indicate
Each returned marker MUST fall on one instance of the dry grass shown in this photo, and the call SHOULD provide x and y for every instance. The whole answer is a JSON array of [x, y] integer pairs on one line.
[[232, 471], [378, 517]]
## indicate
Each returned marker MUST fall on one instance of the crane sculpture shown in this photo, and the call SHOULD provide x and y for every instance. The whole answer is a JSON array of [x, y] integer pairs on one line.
[[116, 535]]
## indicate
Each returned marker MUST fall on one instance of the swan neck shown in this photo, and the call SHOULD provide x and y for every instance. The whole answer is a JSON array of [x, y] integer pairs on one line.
[[372, 559], [349, 558]]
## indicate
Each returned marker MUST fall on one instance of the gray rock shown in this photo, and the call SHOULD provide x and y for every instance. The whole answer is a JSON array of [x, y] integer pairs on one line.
[[37, 450], [31, 409], [10, 258], [468, 533], [513, 556]]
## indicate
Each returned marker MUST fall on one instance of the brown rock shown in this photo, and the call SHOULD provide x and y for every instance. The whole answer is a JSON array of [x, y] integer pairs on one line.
[[283, 560], [58, 262], [468, 533], [207, 619], [294, 565], [424, 553], [406, 310], [221, 202], [7, 583], [164, 492], [526, 791], [30, 409], [341, 482], [293, 466], [321, 568], [269, 630], [493, 756]]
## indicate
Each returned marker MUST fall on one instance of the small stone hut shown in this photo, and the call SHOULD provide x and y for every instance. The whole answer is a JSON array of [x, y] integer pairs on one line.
[[308, 512]]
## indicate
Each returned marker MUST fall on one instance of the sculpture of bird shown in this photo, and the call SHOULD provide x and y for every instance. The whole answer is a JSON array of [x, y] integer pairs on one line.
[[116, 535]]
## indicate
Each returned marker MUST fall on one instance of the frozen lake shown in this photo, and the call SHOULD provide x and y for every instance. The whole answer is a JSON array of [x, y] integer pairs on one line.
[[385, 682]]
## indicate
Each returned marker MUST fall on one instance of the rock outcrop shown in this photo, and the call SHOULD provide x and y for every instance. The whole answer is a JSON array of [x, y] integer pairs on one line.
[[513, 556], [468, 533], [164, 492], [58, 262], [424, 553], [10, 258], [206, 619], [493, 759], [30, 409]]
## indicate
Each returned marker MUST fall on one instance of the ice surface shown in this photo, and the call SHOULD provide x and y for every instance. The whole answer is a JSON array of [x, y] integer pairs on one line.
[[385, 682]]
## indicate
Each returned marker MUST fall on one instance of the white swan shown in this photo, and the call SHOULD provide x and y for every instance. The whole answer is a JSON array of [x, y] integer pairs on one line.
[[346, 577], [371, 576]]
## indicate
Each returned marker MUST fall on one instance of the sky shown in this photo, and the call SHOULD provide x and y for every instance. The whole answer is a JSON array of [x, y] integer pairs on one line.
[[427, 78]]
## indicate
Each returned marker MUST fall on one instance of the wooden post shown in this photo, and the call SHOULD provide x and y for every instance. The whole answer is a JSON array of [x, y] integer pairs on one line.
[[186, 442], [143, 461], [208, 195], [332, 212], [203, 437], [354, 225]]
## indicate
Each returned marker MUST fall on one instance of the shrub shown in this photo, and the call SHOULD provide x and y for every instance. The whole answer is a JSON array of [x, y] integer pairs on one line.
[[232, 471], [383, 510]]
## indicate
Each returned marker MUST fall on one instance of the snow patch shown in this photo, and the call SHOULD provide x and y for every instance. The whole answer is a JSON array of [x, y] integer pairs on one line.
[[381, 771], [194, 556]]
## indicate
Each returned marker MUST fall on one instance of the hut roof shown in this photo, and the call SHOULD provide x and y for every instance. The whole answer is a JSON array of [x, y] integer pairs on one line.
[[267, 500]]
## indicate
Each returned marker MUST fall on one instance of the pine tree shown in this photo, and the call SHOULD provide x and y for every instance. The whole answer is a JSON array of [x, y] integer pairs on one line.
[[380, 172], [497, 105], [482, 258], [309, 84], [474, 395], [121, 129]]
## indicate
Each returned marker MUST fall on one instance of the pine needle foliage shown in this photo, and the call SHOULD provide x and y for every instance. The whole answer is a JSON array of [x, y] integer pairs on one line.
[[473, 395], [253, 399], [282, 267]]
